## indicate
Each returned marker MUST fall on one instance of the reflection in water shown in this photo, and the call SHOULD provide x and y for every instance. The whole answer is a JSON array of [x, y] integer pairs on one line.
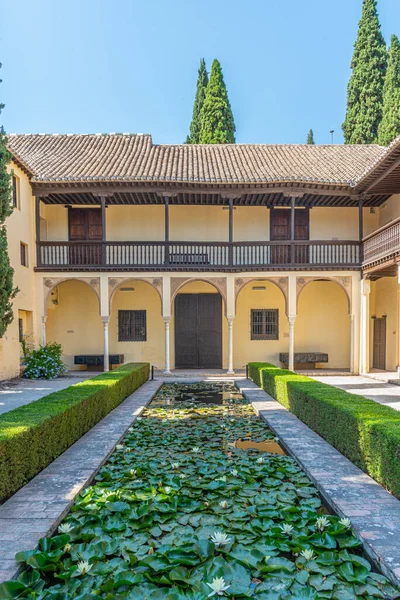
[[268, 446]]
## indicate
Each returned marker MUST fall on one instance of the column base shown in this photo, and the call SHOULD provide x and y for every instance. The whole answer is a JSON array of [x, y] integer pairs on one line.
[[230, 372], [167, 373]]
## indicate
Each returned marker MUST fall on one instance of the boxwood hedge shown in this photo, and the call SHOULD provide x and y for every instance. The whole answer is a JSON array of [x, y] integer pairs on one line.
[[35, 434], [365, 431]]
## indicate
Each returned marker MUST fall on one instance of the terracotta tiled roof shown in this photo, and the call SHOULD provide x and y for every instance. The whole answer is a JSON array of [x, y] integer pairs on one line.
[[133, 157]]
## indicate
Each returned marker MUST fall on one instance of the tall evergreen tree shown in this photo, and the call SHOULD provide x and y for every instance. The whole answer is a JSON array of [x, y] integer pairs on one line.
[[7, 290], [217, 124], [195, 125], [389, 127], [365, 89], [310, 137]]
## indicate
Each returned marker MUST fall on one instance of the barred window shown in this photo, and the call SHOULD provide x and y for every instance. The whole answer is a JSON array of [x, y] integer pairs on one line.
[[15, 191], [265, 324], [132, 326]]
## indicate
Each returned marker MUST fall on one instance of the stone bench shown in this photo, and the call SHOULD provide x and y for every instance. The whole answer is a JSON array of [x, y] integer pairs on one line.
[[304, 358], [97, 360]]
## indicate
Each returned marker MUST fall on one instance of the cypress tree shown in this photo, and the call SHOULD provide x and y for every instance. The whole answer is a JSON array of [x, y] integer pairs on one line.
[[195, 125], [389, 127], [310, 137], [217, 124], [365, 89], [7, 290]]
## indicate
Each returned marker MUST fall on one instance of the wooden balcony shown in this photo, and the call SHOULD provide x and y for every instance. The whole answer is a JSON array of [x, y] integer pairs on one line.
[[197, 256], [382, 245]]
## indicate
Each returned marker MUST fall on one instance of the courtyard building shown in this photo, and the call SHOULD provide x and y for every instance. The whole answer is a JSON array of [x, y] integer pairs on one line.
[[205, 256]]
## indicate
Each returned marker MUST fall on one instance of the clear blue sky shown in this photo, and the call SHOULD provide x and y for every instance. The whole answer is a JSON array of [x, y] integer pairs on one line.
[[87, 66]]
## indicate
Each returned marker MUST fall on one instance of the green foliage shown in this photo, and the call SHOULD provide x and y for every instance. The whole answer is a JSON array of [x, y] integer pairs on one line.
[[146, 527], [33, 435], [217, 124], [310, 137], [389, 127], [365, 89], [7, 290], [195, 125], [44, 363], [361, 429]]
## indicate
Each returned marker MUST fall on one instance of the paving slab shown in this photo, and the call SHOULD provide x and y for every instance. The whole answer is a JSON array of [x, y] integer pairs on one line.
[[18, 392], [347, 491], [36, 510], [379, 391]]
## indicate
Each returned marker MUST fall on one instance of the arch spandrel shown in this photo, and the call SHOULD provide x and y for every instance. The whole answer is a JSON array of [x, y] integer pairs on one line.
[[51, 282], [115, 282], [219, 283], [281, 282], [344, 282]]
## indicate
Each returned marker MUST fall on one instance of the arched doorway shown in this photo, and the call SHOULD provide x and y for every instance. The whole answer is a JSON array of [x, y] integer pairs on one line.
[[73, 320], [323, 323], [198, 327]]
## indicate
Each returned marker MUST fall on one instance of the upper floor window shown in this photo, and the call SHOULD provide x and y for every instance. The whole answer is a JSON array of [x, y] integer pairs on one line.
[[265, 324], [132, 326], [24, 254], [15, 191]]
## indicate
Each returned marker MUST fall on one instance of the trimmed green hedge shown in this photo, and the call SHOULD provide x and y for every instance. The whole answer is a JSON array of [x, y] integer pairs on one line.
[[365, 431], [33, 435]]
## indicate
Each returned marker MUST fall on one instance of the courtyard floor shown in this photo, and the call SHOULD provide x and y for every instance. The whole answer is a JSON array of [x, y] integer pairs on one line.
[[17, 392], [384, 393]]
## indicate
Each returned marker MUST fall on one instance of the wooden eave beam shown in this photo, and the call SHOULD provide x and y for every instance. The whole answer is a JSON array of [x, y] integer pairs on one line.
[[383, 176]]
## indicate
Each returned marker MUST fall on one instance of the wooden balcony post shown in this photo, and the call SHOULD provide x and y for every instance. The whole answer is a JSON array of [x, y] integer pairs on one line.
[[103, 231], [166, 204], [230, 232], [360, 220], [37, 229], [292, 225]]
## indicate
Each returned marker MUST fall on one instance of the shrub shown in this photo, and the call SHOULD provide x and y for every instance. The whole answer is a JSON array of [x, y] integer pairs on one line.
[[365, 431], [44, 363], [34, 435]]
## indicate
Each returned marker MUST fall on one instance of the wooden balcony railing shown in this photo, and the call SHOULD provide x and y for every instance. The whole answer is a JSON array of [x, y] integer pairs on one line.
[[199, 256], [382, 244]]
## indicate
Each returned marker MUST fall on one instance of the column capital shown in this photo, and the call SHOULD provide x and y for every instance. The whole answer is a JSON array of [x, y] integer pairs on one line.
[[230, 320], [105, 320], [365, 286], [292, 319], [167, 320], [44, 318]]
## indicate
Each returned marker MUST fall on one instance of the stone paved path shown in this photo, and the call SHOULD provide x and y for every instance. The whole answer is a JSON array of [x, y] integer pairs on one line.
[[36, 509], [348, 491], [18, 392], [384, 393]]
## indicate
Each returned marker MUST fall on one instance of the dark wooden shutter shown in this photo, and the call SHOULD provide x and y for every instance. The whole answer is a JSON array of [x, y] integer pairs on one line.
[[280, 224], [77, 224], [379, 354], [94, 226], [302, 224]]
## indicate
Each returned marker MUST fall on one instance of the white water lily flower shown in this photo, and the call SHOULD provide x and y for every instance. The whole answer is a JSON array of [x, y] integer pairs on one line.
[[130, 429], [133, 472], [346, 523], [307, 554], [83, 567], [220, 539], [65, 528], [218, 587], [234, 472], [196, 449], [182, 476], [139, 418], [223, 504], [321, 523], [119, 447], [223, 478], [260, 460], [167, 489], [286, 528], [175, 465]]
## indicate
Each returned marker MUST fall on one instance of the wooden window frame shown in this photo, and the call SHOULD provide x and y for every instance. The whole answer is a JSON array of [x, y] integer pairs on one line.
[[24, 255], [15, 191], [264, 335], [127, 327]]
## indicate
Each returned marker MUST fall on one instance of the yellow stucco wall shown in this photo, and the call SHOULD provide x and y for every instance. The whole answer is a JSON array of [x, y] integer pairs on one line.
[[144, 297], [19, 229], [323, 323], [340, 223], [383, 301], [140, 223], [75, 321], [245, 349]]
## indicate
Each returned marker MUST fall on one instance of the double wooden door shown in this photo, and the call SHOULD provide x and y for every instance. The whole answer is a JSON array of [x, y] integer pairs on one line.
[[280, 231], [198, 331], [379, 351], [85, 225]]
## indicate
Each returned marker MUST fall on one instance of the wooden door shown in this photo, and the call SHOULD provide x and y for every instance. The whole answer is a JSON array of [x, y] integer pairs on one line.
[[85, 225], [198, 331], [379, 351], [302, 232], [280, 231]]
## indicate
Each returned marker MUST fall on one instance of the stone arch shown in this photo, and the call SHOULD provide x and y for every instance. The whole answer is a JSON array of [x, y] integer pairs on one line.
[[343, 282], [115, 282], [219, 283], [281, 282], [50, 283]]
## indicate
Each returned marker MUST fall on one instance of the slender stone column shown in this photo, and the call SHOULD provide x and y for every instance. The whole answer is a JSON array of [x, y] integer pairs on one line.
[[364, 326], [292, 320], [167, 368], [230, 345], [44, 319], [398, 319], [106, 352], [352, 343]]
